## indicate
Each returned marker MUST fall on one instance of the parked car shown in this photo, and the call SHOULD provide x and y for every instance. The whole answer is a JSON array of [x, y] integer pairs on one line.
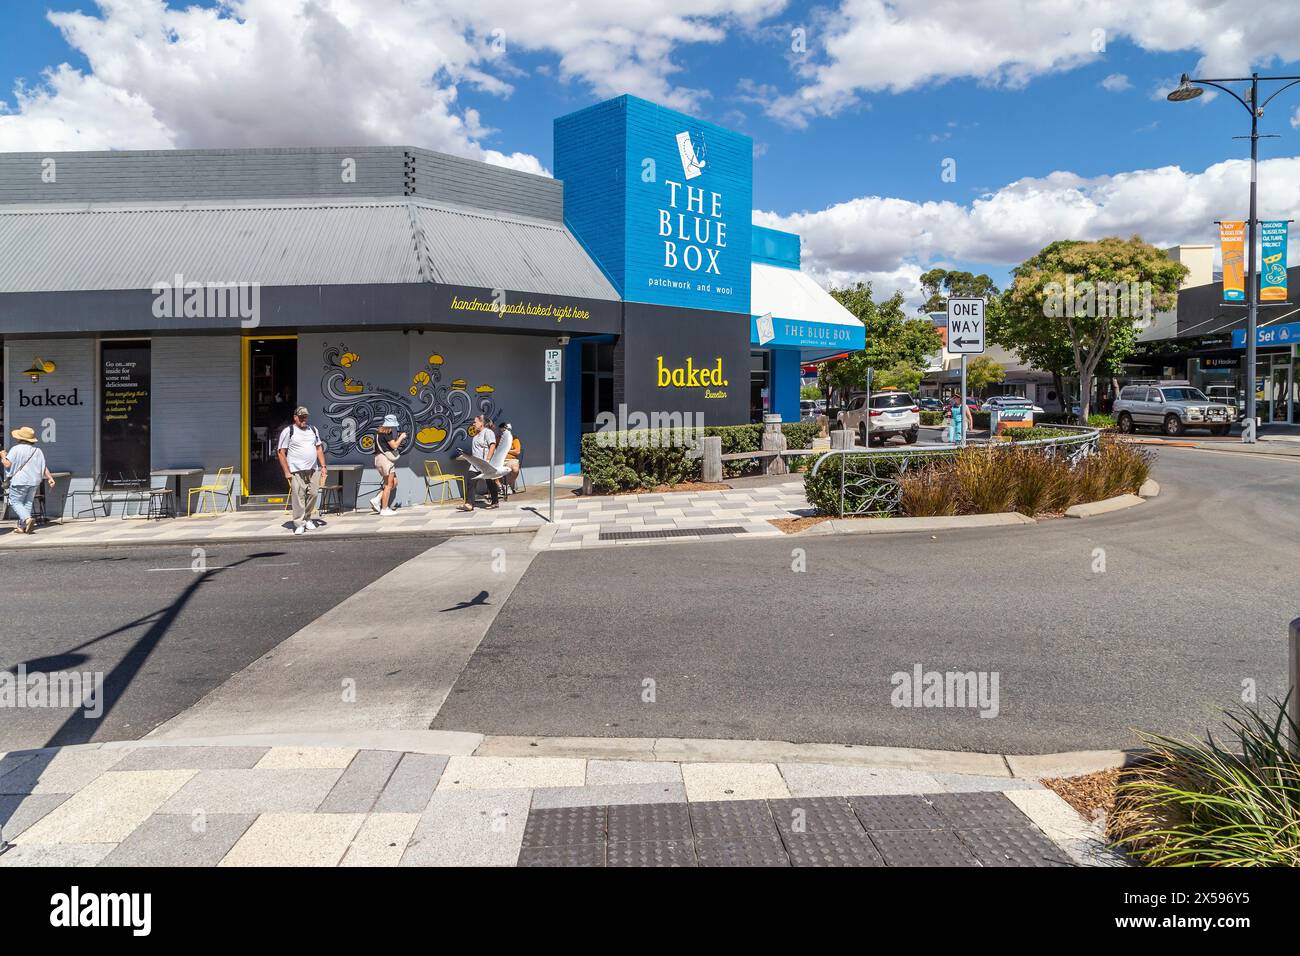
[[1010, 401], [1173, 407], [807, 410], [1227, 395], [931, 404], [886, 415]]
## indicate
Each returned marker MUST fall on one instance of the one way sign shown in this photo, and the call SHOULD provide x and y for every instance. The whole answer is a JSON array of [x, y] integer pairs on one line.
[[966, 326]]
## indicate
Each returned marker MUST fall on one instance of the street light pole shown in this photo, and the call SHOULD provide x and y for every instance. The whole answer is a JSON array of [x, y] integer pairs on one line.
[[1188, 89]]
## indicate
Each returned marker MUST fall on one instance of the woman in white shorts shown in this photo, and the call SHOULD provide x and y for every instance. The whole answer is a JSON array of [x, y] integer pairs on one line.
[[388, 446]]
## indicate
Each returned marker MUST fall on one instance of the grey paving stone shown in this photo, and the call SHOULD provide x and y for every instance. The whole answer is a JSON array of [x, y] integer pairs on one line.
[[411, 784], [649, 823], [11, 761], [667, 853], [922, 848], [192, 758], [564, 826], [896, 812], [582, 855], [171, 839], [626, 793], [731, 819], [1013, 846], [18, 811], [966, 810], [362, 782], [253, 791], [55, 854], [832, 848], [755, 849], [470, 828], [814, 815]]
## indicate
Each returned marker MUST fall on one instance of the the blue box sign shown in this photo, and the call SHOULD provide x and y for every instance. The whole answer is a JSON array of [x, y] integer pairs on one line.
[[791, 333], [1287, 334], [661, 200]]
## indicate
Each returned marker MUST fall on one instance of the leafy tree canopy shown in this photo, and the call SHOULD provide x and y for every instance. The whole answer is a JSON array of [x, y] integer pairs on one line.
[[939, 284], [1083, 301], [892, 339]]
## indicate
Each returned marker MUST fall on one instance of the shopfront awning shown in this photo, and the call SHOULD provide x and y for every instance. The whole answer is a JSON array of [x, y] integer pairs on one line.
[[804, 315]]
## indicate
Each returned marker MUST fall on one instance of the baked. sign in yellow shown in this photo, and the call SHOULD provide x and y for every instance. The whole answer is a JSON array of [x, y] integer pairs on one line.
[[689, 376]]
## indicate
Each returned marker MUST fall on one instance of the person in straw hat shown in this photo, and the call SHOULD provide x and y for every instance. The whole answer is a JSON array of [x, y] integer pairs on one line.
[[24, 466]]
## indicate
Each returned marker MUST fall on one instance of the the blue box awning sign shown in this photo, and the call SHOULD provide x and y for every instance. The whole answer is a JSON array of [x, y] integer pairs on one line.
[[793, 333], [1268, 335]]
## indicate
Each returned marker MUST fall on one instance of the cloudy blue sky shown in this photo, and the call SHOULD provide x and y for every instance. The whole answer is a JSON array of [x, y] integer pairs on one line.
[[1052, 110]]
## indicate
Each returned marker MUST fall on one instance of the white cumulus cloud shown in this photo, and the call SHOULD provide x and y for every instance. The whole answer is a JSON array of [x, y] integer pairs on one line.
[[896, 45], [894, 240], [312, 72]]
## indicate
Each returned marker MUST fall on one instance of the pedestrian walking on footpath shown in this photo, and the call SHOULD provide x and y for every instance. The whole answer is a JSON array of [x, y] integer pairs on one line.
[[25, 468], [302, 457], [388, 448]]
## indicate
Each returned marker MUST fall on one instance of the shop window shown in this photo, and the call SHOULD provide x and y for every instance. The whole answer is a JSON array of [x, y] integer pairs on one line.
[[760, 384], [597, 382], [124, 413]]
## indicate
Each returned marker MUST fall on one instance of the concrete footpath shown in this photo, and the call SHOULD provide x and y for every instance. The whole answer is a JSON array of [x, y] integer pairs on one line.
[[595, 521], [448, 799]]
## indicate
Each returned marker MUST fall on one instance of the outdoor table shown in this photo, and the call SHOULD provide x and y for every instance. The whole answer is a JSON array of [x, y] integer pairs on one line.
[[343, 472], [44, 496], [180, 474]]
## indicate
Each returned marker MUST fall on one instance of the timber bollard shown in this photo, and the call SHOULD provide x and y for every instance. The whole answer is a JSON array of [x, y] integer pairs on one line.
[[711, 459], [774, 440]]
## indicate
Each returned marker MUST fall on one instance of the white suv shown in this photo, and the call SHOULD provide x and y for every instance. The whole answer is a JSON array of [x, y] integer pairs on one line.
[[886, 415]]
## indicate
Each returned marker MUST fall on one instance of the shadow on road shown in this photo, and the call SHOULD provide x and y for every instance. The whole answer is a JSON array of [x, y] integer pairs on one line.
[[80, 727]]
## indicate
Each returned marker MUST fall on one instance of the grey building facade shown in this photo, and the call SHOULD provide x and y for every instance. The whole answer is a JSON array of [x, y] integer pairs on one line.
[[167, 309]]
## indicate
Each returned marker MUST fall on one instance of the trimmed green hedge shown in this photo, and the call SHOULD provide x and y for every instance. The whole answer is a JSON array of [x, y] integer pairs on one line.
[[631, 461], [931, 418]]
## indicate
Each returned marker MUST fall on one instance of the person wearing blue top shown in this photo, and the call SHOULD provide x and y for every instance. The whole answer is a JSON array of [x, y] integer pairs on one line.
[[25, 467]]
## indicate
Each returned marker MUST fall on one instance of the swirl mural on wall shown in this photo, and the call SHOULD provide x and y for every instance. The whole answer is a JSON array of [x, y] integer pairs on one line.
[[437, 417]]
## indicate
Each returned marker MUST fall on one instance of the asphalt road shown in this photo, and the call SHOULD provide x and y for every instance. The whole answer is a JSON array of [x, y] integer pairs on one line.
[[1197, 590], [161, 634]]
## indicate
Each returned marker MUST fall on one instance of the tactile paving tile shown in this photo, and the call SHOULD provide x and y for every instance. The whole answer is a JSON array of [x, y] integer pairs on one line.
[[922, 848], [565, 826], [731, 819], [753, 849], [657, 853], [649, 823], [1013, 846], [984, 809], [896, 812], [814, 815], [832, 848], [587, 854]]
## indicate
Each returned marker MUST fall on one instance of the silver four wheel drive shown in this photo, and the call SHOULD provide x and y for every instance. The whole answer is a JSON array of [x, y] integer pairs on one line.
[[1173, 407]]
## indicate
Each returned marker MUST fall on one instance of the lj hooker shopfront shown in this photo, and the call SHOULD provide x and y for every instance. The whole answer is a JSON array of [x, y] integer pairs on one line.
[[165, 311]]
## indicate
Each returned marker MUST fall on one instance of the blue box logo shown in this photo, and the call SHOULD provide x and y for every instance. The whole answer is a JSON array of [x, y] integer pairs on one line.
[[680, 200]]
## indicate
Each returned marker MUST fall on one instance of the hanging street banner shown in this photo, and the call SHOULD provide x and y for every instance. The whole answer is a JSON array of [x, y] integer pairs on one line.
[[1232, 240], [1272, 279]]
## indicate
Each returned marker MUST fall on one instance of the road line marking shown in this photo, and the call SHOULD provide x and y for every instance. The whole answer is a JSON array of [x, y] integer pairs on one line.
[[223, 567]]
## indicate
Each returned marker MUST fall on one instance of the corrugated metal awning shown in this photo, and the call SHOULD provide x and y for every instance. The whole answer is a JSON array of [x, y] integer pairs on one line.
[[114, 246]]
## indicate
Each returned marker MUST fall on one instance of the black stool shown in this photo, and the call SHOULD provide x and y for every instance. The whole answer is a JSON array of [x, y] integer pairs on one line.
[[331, 499]]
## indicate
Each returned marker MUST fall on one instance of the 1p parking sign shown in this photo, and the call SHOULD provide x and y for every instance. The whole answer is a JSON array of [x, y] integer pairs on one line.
[[553, 365]]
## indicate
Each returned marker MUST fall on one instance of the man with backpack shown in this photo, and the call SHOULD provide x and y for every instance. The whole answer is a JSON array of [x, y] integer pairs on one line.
[[302, 457]]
